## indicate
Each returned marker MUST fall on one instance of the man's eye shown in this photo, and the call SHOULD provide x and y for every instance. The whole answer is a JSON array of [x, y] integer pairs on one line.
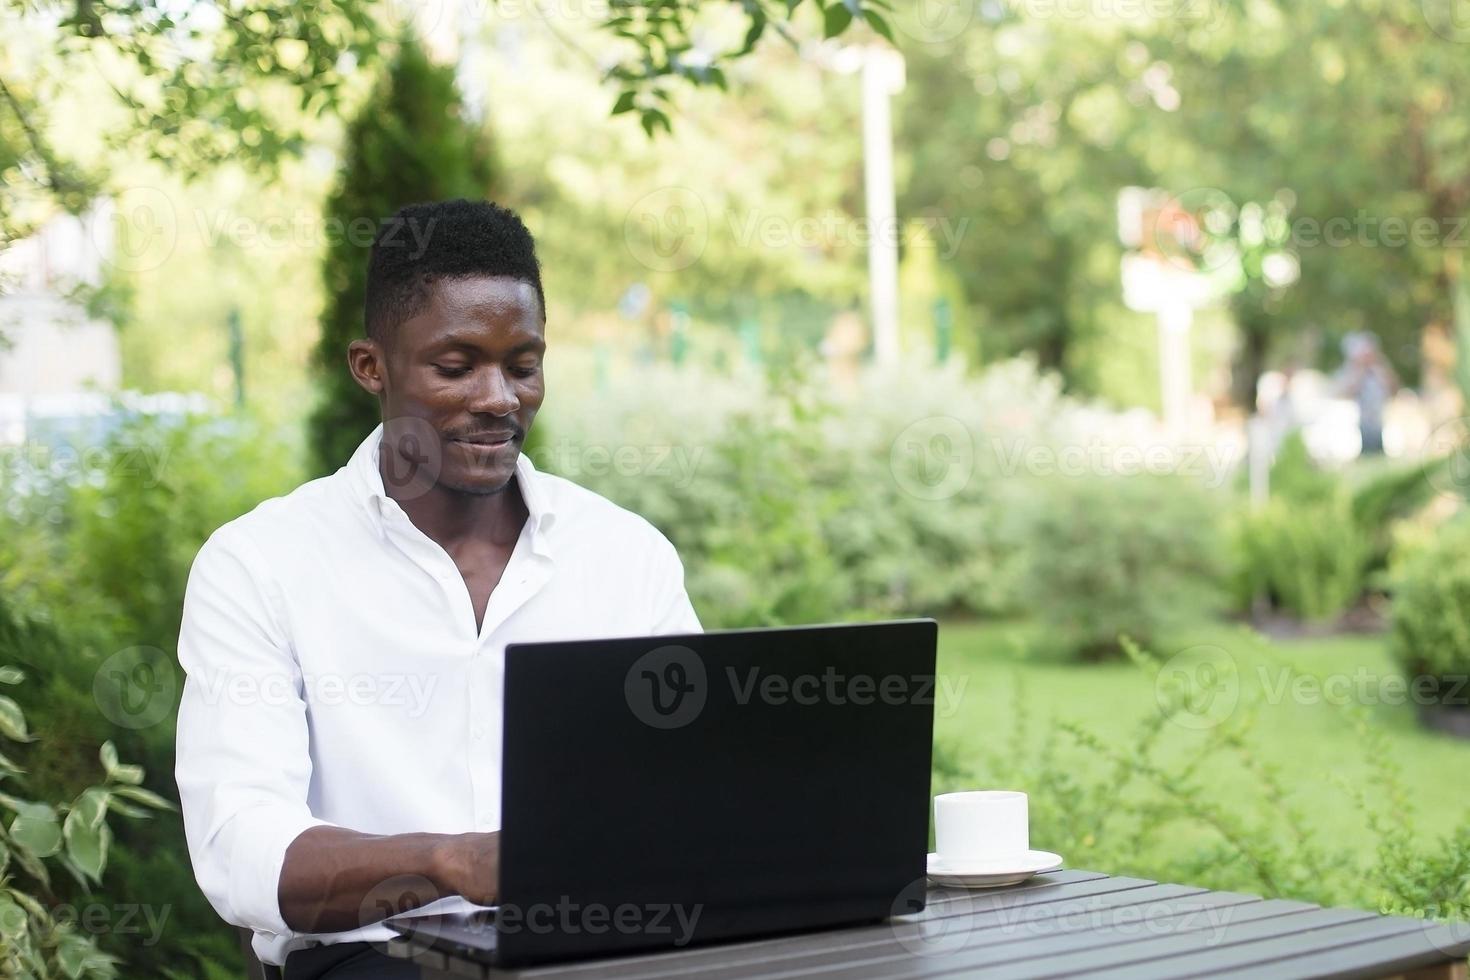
[[525, 370], [452, 370]]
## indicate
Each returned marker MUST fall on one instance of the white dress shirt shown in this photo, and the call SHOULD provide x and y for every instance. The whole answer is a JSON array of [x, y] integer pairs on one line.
[[334, 673]]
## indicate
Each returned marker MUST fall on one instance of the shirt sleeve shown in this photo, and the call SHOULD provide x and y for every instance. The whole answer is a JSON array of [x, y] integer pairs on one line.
[[243, 753], [672, 612]]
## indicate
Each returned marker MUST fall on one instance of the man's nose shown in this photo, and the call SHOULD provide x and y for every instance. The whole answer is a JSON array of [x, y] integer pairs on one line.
[[494, 393]]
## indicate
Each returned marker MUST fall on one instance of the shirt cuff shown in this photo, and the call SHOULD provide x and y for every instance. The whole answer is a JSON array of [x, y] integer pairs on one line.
[[256, 859]]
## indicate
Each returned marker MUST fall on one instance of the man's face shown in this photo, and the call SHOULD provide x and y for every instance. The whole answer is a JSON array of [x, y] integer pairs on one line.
[[469, 365]]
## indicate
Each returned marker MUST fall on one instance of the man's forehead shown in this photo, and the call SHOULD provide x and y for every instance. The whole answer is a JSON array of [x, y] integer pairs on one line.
[[500, 296]]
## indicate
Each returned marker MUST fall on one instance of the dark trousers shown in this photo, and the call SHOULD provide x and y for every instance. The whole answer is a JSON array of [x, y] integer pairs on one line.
[[346, 961]]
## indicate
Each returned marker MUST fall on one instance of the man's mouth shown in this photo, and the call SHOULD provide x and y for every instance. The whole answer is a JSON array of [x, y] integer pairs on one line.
[[487, 440]]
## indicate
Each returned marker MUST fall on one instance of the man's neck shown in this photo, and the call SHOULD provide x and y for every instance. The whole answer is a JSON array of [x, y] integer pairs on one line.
[[451, 518]]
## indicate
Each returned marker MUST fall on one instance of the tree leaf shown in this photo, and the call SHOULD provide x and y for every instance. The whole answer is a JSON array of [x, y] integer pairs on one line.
[[108, 755], [11, 675], [128, 774], [116, 805], [13, 721], [835, 20], [92, 805], [86, 844], [624, 103], [878, 24], [12, 918], [36, 830], [144, 796], [757, 28], [73, 953]]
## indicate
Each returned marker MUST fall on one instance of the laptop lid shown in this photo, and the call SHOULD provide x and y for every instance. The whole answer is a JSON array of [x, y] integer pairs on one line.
[[680, 789]]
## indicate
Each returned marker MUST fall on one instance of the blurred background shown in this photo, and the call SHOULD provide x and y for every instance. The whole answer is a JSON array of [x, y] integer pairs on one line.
[[1123, 336]]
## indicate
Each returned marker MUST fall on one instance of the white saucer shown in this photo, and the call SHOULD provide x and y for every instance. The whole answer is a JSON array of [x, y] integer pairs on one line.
[[992, 874]]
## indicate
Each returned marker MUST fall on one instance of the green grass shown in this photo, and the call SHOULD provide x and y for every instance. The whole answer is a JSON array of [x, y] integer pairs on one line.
[[1314, 744]]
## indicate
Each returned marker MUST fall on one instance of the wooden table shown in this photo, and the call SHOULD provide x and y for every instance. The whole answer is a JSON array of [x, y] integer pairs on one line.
[[1069, 923]]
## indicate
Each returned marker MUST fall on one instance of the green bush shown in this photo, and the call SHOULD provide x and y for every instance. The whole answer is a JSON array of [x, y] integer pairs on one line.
[[1307, 559], [792, 500], [94, 559], [1147, 805], [1431, 606], [39, 911], [1321, 541], [1108, 556]]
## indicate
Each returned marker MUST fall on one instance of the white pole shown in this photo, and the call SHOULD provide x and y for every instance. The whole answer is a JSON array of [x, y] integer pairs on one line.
[[882, 76], [1175, 318]]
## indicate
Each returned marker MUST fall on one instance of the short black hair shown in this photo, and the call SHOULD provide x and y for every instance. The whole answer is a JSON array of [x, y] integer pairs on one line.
[[423, 243]]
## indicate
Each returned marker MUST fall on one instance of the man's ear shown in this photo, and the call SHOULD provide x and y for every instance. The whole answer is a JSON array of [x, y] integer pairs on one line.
[[368, 363]]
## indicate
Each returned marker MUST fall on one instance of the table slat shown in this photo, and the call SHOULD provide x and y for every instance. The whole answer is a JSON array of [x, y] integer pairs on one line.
[[1435, 944], [1253, 944]]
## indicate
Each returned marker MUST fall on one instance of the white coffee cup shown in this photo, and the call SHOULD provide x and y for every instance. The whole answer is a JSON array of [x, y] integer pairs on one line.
[[983, 826]]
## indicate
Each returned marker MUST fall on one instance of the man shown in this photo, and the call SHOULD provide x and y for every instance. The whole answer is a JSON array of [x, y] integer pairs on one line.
[[1367, 378], [339, 734]]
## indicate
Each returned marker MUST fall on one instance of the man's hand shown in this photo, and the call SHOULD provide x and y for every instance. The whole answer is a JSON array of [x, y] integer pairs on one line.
[[469, 865], [334, 879]]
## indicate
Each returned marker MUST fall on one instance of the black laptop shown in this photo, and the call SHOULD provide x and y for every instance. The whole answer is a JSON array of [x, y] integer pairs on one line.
[[675, 790]]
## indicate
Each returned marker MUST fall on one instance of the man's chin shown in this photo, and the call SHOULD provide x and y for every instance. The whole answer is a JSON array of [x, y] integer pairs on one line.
[[482, 483]]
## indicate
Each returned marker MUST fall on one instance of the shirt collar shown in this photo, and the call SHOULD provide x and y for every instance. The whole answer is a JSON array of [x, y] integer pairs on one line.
[[367, 488]]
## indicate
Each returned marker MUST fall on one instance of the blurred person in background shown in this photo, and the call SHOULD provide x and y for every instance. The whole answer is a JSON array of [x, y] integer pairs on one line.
[[1367, 379]]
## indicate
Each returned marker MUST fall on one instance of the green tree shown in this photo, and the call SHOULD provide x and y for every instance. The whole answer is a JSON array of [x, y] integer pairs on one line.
[[200, 84], [412, 141]]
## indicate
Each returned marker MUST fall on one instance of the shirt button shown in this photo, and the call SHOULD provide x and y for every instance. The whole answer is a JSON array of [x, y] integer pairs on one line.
[[478, 731]]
